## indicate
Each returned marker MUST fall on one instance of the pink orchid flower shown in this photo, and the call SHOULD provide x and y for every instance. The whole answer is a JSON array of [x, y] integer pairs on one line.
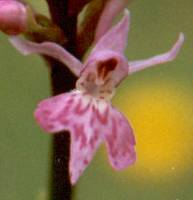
[[13, 17], [87, 111]]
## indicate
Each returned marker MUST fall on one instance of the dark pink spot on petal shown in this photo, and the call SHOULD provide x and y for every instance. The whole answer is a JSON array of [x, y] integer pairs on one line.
[[69, 103], [91, 121], [46, 112], [115, 163], [86, 162], [64, 121], [102, 117], [80, 109], [110, 140], [113, 152], [92, 142], [114, 128], [80, 135], [50, 126]]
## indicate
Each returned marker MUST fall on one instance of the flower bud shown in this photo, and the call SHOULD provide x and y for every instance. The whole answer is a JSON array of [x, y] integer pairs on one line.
[[13, 17]]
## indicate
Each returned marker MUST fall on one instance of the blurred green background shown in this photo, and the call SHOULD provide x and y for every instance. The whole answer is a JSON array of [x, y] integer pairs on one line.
[[158, 102]]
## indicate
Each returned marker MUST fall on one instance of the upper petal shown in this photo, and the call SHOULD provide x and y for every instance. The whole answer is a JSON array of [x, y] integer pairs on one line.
[[111, 10], [116, 38], [120, 141]]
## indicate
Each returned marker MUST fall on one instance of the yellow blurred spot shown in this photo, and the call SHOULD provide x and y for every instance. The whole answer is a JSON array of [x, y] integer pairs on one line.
[[162, 119]]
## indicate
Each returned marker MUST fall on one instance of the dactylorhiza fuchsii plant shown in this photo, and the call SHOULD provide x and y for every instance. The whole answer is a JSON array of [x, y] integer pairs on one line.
[[86, 111]]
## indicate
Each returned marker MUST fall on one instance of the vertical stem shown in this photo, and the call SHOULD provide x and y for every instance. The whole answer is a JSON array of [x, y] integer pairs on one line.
[[64, 14], [62, 80]]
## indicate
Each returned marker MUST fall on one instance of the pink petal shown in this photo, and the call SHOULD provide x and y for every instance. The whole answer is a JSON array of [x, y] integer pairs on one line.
[[53, 114], [135, 66], [85, 140], [111, 10], [120, 141], [116, 38], [89, 121], [49, 49], [79, 114]]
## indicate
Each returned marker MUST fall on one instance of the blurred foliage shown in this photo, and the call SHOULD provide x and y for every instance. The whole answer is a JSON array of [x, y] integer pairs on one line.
[[158, 102]]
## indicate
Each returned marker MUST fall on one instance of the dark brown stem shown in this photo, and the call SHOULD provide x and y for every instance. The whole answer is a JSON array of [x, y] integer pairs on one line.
[[62, 80], [64, 14]]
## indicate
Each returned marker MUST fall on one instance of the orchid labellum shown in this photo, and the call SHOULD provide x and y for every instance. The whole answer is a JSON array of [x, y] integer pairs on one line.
[[86, 111]]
